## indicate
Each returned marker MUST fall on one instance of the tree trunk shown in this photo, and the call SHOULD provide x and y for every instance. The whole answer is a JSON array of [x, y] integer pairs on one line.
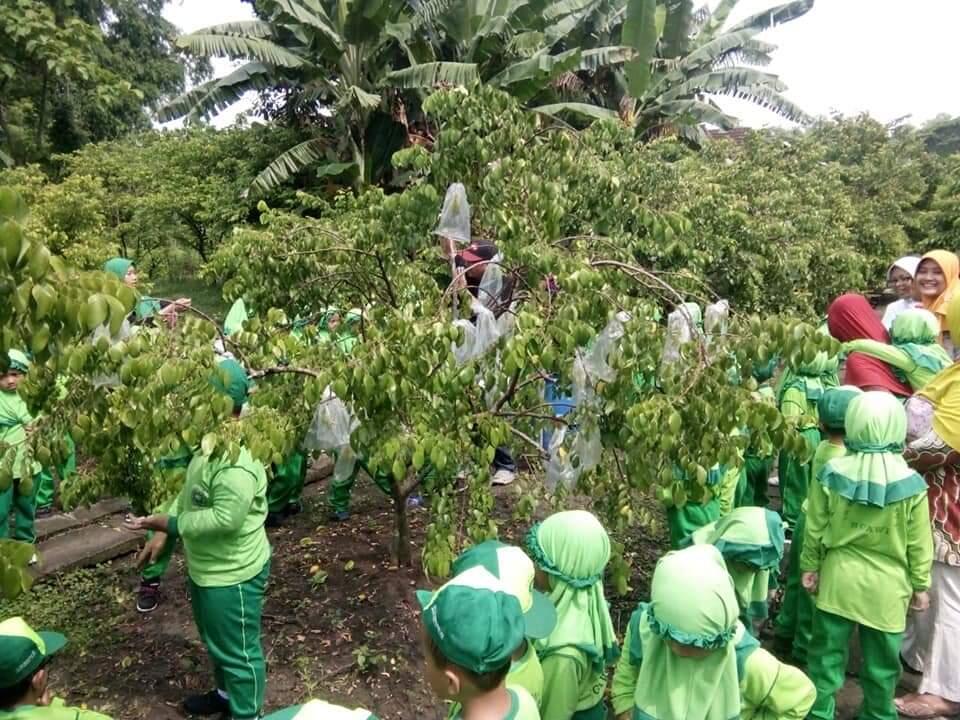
[[42, 112], [403, 554]]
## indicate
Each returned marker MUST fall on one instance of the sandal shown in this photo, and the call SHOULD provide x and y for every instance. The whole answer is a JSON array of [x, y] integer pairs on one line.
[[923, 706]]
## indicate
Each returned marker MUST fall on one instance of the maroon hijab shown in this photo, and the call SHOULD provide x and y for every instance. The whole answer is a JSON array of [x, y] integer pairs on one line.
[[850, 317]]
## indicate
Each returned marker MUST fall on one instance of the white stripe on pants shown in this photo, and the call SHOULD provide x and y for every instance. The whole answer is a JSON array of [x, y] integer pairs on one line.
[[931, 641]]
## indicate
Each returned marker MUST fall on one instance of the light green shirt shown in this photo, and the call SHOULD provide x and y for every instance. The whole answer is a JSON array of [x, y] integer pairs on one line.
[[570, 684], [14, 418], [870, 559], [219, 514], [56, 710], [528, 674], [769, 689], [522, 706]]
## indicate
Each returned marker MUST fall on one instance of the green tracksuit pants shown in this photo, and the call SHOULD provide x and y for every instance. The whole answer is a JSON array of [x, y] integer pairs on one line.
[[795, 621], [758, 479], [286, 486], [878, 676], [228, 620], [47, 491], [24, 510], [682, 522], [341, 489], [795, 478]]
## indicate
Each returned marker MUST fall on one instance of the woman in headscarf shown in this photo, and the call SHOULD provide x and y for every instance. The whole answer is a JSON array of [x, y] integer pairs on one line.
[[900, 278], [571, 550], [687, 657], [751, 542], [866, 556], [146, 308], [850, 317], [915, 355], [801, 388], [938, 276], [930, 645]]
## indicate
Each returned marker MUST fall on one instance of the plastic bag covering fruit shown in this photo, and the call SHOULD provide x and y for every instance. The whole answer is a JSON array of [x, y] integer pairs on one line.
[[455, 216], [680, 330], [484, 330], [330, 431]]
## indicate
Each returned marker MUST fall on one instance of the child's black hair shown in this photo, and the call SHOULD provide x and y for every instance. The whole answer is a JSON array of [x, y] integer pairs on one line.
[[484, 682], [11, 696]]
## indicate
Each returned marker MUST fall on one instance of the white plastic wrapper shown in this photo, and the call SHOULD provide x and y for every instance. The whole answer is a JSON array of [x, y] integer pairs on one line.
[[455, 217], [332, 424], [680, 329], [716, 317], [559, 469], [483, 332], [592, 366]]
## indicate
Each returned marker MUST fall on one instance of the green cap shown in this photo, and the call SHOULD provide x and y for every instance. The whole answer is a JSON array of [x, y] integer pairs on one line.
[[833, 405], [231, 379], [319, 710], [474, 621], [18, 361], [513, 567], [22, 650], [118, 267]]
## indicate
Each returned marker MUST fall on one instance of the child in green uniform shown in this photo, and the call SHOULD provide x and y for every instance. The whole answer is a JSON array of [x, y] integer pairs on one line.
[[219, 514], [471, 627], [25, 693], [20, 496], [916, 354], [286, 488], [571, 550], [751, 542], [794, 625], [511, 566], [800, 390], [758, 460], [320, 710], [686, 656], [867, 551], [683, 521]]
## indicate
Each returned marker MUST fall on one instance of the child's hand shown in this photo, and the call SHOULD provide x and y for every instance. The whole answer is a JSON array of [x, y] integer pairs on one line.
[[151, 551], [810, 582], [920, 601]]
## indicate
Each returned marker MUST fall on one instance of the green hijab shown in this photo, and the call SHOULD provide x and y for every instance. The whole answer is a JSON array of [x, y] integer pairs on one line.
[[917, 333], [236, 317], [231, 379], [692, 602], [118, 266], [18, 361], [751, 542], [348, 333], [873, 472], [812, 377], [573, 548], [832, 407], [146, 307]]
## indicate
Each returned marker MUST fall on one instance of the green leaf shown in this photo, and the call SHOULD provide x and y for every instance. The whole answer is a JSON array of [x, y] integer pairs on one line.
[[526, 78], [640, 33], [289, 163], [235, 46], [213, 96], [433, 74], [12, 206], [585, 109], [775, 16]]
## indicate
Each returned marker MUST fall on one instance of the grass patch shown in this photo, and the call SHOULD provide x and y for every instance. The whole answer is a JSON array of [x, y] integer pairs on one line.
[[85, 605], [206, 298]]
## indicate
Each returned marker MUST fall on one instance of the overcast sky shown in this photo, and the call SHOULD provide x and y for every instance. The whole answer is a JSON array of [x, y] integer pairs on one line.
[[885, 57]]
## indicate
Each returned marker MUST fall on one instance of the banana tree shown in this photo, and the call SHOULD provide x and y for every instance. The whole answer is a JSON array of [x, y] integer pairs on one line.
[[682, 60], [519, 46], [327, 60]]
